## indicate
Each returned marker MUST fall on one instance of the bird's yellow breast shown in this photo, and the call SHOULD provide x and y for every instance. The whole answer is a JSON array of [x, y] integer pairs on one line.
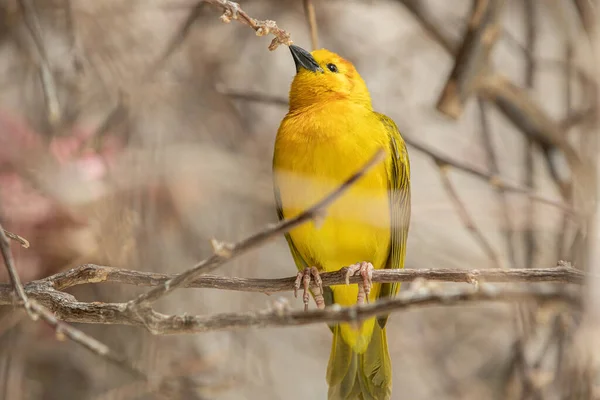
[[315, 151]]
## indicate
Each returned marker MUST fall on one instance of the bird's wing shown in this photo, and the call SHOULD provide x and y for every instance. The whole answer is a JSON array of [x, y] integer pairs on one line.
[[301, 263], [399, 189]]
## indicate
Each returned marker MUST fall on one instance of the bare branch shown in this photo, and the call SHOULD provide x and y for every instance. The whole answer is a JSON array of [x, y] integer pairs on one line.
[[311, 20], [256, 97], [568, 86], [587, 13], [67, 308], [92, 274], [472, 59], [232, 10], [531, 41], [62, 330], [278, 315], [24, 242], [230, 251], [53, 107], [15, 281]]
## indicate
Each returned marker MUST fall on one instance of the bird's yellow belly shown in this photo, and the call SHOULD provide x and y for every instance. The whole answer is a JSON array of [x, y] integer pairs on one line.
[[356, 227]]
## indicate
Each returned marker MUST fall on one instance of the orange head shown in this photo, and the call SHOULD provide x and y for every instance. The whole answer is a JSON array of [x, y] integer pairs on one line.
[[323, 76]]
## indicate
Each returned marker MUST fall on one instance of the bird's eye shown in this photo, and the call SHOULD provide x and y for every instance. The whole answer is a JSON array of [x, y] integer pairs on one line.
[[332, 67]]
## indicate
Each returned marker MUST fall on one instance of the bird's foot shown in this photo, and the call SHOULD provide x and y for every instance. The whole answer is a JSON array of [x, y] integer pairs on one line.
[[364, 288], [304, 278]]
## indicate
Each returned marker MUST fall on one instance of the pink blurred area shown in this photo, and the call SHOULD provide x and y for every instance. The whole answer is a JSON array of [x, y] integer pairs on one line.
[[53, 229]]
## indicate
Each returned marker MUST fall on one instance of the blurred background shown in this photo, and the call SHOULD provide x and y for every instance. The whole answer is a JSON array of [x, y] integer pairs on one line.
[[133, 132]]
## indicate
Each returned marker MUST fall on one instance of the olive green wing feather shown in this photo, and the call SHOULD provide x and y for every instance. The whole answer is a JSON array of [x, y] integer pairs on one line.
[[399, 189]]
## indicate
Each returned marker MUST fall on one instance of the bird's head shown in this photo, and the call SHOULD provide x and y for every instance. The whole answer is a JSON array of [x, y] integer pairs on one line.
[[323, 76]]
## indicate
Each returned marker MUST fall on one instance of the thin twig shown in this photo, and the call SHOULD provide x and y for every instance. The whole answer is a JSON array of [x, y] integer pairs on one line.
[[225, 252], [311, 20], [232, 10], [24, 242], [62, 330], [279, 314], [587, 13], [530, 69], [72, 35], [562, 233], [94, 274], [466, 218], [15, 281], [524, 317], [49, 87], [472, 59], [256, 97]]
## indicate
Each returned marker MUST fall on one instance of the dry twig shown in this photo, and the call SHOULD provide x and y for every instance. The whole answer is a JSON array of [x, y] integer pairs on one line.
[[232, 10], [94, 274], [62, 330], [311, 20], [472, 59], [67, 308], [24, 242], [49, 88], [530, 244]]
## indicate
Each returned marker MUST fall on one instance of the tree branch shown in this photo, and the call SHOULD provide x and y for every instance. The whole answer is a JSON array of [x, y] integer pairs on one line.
[[472, 59], [311, 20], [232, 10], [53, 108], [92, 274], [279, 314], [24, 242], [35, 310]]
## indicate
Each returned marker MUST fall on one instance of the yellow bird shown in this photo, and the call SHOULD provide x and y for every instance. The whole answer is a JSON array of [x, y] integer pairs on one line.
[[329, 132]]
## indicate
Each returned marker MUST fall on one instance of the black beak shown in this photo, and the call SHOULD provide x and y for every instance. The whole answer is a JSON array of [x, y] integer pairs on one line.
[[303, 59]]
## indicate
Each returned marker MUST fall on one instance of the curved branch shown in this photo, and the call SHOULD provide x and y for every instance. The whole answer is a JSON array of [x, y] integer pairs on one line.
[[279, 314], [90, 273], [232, 10]]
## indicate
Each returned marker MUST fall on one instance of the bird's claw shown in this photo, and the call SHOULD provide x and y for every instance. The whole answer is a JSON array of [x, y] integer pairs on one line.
[[304, 278], [364, 288]]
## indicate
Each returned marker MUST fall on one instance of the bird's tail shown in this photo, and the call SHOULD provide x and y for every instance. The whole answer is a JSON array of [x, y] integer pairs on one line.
[[366, 376]]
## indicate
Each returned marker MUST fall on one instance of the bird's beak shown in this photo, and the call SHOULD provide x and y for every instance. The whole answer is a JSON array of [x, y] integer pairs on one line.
[[303, 59]]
